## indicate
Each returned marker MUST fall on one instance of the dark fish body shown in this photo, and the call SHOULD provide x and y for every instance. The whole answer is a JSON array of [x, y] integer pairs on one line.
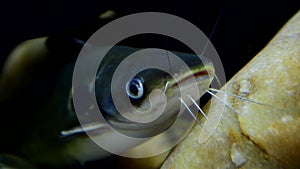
[[32, 129]]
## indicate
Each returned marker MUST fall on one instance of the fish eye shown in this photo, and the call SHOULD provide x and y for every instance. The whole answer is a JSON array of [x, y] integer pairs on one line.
[[134, 88]]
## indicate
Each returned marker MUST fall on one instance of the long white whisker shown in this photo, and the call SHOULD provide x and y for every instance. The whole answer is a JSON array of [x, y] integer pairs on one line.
[[218, 80], [240, 97], [221, 100], [202, 112], [189, 110], [212, 32], [82, 129], [166, 86]]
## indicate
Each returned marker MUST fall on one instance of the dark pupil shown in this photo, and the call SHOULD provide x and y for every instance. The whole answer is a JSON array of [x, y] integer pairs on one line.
[[134, 88]]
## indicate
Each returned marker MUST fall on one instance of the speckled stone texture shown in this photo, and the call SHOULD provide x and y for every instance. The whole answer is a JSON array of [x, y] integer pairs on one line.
[[254, 136]]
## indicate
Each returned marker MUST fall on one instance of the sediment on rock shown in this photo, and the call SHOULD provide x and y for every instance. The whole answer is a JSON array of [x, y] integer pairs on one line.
[[256, 136]]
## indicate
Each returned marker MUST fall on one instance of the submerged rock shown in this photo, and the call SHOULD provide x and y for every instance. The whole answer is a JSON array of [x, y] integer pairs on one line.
[[253, 136]]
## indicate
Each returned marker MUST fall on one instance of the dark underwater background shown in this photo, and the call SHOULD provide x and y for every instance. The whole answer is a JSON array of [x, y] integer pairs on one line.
[[243, 30]]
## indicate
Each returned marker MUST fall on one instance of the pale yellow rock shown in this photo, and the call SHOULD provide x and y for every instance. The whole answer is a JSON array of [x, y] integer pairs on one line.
[[256, 136]]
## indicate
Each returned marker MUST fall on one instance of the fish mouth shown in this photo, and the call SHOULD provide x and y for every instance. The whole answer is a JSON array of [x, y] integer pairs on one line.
[[206, 73]]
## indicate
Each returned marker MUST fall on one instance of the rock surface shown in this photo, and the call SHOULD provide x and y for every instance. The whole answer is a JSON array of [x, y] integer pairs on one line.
[[253, 136]]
